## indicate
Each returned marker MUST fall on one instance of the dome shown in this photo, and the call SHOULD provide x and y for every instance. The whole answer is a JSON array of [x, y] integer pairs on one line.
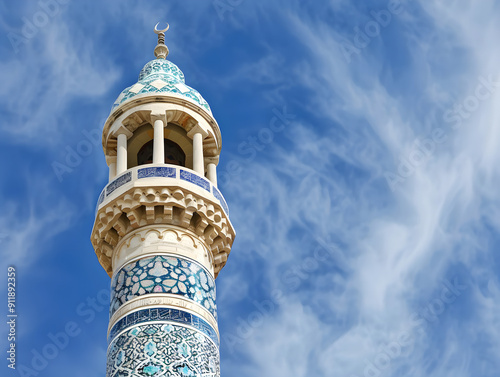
[[161, 76]]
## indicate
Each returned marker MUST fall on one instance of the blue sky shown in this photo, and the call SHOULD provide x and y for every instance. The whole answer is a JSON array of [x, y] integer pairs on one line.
[[360, 163]]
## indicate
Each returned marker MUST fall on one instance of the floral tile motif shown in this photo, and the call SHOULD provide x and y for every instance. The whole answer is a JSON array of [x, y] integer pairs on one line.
[[164, 314], [162, 67], [163, 274], [162, 349]]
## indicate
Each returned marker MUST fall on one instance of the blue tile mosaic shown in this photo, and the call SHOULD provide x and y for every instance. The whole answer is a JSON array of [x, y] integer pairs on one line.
[[118, 182], [170, 74], [163, 274], [101, 198], [162, 67], [196, 179], [164, 314], [221, 199], [164, 172], [162, 349]]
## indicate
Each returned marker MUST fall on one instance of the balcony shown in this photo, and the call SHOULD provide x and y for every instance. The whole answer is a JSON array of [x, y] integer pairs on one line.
[[152, 175]]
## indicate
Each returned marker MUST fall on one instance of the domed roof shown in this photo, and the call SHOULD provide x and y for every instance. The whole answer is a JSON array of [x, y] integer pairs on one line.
[[161, 76]]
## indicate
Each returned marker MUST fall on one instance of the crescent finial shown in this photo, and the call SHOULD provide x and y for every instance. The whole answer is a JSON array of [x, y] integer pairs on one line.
[[161, 31], [161, 51]]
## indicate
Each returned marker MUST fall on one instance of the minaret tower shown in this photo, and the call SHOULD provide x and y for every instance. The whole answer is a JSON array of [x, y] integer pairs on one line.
[[162, 229]]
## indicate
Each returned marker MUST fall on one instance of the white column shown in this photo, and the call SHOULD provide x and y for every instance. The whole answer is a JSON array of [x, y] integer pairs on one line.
[[197, 133], [158, 144], [121, 154], [198, 163], [112, 170], [212, 173]]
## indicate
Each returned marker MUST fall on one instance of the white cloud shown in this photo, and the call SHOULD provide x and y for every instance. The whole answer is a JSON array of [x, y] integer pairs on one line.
[[29, 226], [399, 246], [326, 182], [38, 92]]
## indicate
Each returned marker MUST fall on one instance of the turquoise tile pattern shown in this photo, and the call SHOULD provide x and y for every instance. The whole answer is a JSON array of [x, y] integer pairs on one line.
[[163, 274], [164, 314], [162, 349], [173, 82]]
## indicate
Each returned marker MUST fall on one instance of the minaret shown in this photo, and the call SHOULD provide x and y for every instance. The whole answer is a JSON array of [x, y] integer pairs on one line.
[[162, 229]]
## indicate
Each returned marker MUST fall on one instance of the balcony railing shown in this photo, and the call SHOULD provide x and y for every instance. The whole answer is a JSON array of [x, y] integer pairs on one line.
[[172, 175]]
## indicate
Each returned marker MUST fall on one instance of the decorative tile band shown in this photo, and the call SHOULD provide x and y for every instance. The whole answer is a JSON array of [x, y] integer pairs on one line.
[[162, 76], [162, 301], [162, 66], [196, 179], [101, 198], [162, 274], [120, 181], [162, 349], [164, 172], [164, 314], [221, 199]]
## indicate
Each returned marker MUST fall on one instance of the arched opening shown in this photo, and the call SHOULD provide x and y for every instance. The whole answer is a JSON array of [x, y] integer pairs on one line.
[[174, 155], [140, 146]]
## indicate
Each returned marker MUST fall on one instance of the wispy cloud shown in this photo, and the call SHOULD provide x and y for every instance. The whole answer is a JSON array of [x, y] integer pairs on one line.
[[28, 226], [39, 90], [398, 247], [321, 181]]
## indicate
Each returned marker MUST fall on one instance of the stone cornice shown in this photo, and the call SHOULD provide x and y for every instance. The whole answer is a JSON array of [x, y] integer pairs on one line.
[[162, 204]]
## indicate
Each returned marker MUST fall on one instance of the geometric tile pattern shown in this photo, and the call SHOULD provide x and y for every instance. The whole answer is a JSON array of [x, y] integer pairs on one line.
[[196, 179], [163, 172], [164, 314], [163, 274], [136, 88], [162, 349], [182, 87], [162, 67], [158, 84], [162, 76]]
